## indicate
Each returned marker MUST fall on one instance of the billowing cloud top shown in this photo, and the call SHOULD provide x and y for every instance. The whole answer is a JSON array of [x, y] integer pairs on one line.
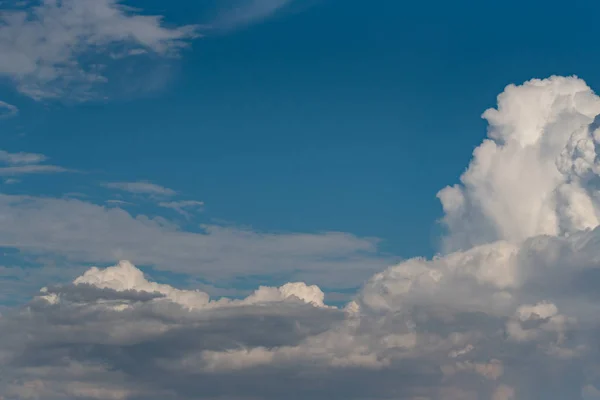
[[509, 311], [537, 172]]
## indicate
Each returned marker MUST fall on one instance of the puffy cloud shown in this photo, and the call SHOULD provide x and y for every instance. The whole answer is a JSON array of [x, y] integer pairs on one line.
[[126, 277], [43, 44], [509, 311], [125, 334], [535, 174]]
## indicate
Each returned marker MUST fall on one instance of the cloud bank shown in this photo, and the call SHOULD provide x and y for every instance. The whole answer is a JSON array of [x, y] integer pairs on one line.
[[82, 232], [508, 311]]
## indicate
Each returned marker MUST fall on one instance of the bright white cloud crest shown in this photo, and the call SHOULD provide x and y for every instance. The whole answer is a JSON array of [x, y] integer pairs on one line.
[[537, 172], [508, 312]]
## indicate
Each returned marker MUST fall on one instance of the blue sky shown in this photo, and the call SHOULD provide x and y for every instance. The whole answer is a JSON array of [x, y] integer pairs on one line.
[[267, 199], [317, 116], [320, 117]]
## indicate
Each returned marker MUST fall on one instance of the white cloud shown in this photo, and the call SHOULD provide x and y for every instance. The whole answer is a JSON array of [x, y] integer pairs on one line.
[[239, 13], [26, 163], [512, 315], [85, 232], [534, 175], [43, 44], [141, 187], [21, 158], [31, 169], [182, 206], [7, 110]]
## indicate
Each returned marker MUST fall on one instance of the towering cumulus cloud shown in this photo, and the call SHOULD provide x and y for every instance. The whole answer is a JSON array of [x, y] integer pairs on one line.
[[537, 172], [509, 310]]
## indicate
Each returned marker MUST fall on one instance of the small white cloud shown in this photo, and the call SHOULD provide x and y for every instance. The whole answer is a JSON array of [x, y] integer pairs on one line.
[[7, 110], [245, 12], [118, 202], [183, 207], [21, 158], [141, 187], [32, 169], [26, 163]]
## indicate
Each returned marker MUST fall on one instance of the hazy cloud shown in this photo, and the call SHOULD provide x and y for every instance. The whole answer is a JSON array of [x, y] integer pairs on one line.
[[26, 163], [239, 13], [85, 232], [60, 48], [7, 110], [31, 169], [141, 187], [183, 207], [21, 158]]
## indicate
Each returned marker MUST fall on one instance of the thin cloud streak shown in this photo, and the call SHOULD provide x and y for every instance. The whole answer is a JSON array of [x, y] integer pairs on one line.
[[246, 12], [32, 169], [141, 187], [7, 110]]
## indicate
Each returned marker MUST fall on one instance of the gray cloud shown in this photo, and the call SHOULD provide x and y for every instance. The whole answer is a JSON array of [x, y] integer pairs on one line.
[[510, 313], [81, 231], [421, 329]]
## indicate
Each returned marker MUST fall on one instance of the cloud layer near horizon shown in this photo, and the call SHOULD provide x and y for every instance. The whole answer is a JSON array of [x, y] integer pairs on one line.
[[509, 311], [83, 232]]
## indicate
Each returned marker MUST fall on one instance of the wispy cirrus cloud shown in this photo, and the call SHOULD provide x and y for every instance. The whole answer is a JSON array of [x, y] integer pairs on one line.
[[32, 169], [7, 110], [239, 13], [75, 49], [21, 158], [141, 187], [22, 163], [183, 207]]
